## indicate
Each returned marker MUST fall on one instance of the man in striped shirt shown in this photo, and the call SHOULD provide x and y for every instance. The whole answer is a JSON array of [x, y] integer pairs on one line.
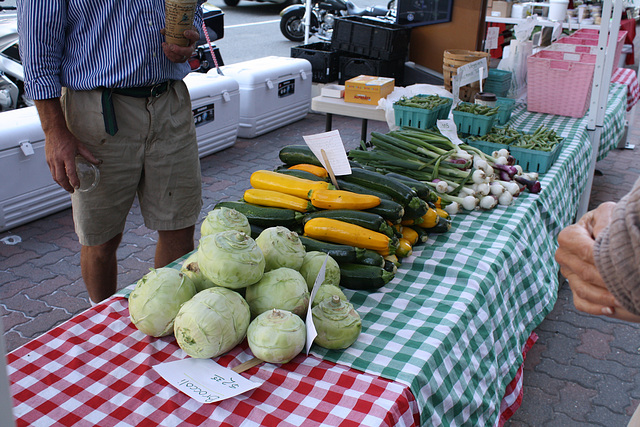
[[108, 87]]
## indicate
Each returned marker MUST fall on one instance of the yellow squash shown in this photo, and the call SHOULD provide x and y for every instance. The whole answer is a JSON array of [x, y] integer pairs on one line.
[[276, 199], [342, 199], [336, 231], [430, 219], [410, 235], [404, 248], [316, 170], [288, 184], [444, 214]]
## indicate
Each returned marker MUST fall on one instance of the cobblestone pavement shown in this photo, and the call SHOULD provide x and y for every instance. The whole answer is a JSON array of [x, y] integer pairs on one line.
[[582, 371]]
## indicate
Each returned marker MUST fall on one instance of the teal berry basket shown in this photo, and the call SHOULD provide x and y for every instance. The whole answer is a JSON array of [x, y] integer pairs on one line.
[[530, 160], [473, 124], [506, 106], [421, 118]]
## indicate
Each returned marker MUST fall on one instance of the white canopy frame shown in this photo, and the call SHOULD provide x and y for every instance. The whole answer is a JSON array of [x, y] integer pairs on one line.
[[607, 41]]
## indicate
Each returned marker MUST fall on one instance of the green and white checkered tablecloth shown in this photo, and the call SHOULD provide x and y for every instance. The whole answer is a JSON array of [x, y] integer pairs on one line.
[[453, 322], [613, 127]]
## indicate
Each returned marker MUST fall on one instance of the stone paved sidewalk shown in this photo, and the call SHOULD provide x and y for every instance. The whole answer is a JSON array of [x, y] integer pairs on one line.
[[582, 371]]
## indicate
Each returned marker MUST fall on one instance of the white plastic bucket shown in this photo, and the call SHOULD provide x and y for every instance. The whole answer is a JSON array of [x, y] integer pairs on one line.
[[558, 10]]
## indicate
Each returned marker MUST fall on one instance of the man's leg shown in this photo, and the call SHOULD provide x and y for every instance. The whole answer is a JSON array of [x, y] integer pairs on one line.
[[172, 244], [99, 266]]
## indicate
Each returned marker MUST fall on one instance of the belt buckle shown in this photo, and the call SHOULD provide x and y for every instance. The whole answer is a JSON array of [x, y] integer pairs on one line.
[[158, 89]]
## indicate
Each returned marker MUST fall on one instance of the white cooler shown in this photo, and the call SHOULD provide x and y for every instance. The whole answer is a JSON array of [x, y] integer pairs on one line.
[[27, 191], [215, 101], [274, 92]]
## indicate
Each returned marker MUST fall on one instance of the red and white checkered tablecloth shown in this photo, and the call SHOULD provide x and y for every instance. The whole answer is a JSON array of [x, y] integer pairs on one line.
[[96, 369], [628, 77]]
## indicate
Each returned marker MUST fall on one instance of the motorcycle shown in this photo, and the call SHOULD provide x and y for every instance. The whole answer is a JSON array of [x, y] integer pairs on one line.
[[323, 14]]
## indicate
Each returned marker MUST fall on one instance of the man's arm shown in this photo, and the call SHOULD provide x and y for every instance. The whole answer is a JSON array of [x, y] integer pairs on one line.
[[61, 146], [617, 251]]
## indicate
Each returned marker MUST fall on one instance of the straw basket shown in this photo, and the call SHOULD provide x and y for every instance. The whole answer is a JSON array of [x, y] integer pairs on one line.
[[454, 58]]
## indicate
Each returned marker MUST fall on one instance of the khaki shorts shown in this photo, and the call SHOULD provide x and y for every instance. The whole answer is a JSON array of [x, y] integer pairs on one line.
[[154, 155]]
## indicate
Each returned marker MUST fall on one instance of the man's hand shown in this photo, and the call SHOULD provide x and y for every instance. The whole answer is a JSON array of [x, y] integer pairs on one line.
[[179, 54], [577, 265], [61, 146]]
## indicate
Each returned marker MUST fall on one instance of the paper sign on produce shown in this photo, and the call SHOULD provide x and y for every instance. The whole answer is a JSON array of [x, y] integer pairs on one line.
[[469, 73], [492, 38], [449, 129], [204, 380], [311, 329], [332, 144]]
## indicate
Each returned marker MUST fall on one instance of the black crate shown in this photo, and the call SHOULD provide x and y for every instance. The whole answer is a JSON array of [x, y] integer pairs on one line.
[[323, 59], [353, 66], [370, 37]]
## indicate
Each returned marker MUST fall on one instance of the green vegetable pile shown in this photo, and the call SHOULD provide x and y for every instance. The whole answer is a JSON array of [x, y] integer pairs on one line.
[[542, 139], [482, 110], [427, 102]]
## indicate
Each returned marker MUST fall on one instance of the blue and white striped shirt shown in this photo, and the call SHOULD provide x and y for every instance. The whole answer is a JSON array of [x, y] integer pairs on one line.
[[87, 44]]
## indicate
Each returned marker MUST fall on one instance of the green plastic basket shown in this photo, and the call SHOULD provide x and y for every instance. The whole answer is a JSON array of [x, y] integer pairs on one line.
[[421, 118], [530, 160], [506, 106], [473, 124]]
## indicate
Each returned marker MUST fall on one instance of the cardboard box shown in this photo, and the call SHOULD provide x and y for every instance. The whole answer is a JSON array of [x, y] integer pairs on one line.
[[501, 8], [333, 91], [368, 89]]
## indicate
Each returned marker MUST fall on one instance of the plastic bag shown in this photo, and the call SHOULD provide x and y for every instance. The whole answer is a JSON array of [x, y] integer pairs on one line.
[[516, 62], [417, 89]]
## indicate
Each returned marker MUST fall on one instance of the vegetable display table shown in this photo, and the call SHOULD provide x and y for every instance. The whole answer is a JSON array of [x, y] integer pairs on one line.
[[442, 343], [628, 77], [331, 106]]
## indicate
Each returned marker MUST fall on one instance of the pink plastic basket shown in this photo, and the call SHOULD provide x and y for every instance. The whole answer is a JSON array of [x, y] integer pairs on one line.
[[572, 47], [589, 37], [559, 82]]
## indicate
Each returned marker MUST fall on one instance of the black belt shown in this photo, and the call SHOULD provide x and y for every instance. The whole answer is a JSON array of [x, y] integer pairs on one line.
[[108, 112]]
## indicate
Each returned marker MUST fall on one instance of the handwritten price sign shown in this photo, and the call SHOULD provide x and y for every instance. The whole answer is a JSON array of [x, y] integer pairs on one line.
[[204, 380]]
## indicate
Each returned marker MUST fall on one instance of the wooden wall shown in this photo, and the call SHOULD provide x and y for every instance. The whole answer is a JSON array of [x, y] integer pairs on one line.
[[465, 31]]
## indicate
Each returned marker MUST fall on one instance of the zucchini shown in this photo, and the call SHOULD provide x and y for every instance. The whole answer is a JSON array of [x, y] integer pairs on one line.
[[370, 257], [391, 265], [263, 216], [364, 277], [442, 226], [297, 154], [398, 191], [423, 234], [369, 220], [422, 190], [416, 208], [256, 230], [389, 210], [356, 188], [341, 253], [300, 174]]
